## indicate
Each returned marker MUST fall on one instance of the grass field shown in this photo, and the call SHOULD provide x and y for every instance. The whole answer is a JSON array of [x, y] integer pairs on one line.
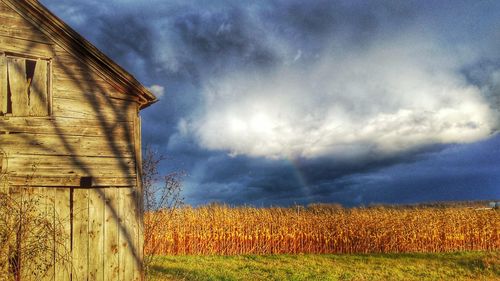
[[451, 266]]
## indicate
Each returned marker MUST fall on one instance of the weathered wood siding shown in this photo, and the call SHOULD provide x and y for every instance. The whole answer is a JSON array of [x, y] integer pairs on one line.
[[92, 131]]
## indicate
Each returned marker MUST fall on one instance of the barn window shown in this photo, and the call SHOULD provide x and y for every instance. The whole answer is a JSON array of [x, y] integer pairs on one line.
[[24, 86]]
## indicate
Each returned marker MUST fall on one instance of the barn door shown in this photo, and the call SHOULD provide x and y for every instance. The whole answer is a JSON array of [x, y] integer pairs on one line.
[[95, 236], [104, 234], [37, 246]]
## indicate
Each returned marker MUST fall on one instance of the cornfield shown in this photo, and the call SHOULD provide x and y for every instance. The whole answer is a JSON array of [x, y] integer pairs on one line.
[[222, 230]]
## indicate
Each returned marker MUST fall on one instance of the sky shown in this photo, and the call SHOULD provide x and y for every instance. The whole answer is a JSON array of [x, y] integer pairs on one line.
[[296, 102]]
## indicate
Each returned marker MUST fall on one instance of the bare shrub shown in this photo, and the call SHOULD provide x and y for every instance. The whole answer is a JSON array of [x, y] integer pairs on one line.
[[161, 198], [29, 233]]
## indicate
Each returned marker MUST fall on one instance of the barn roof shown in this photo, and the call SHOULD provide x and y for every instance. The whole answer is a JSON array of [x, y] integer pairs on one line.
[[62, 34]]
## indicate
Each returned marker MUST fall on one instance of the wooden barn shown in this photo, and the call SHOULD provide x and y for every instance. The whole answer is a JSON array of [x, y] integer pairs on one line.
[[70, 131]]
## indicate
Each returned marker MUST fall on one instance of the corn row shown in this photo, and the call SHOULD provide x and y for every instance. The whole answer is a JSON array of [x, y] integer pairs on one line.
[[221, 230]]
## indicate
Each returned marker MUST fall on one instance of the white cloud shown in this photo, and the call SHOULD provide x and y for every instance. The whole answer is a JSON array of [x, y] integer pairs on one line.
[[395, 96], [157, 90]]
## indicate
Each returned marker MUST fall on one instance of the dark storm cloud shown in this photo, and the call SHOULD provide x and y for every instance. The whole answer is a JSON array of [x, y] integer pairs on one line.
[[266, 182], [193, 47], [223, 35], [218, 37], [455, 173], [135, 38], [314, 23]]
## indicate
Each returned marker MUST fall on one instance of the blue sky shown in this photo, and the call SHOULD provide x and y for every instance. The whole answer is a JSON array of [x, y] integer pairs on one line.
[[295, 102]]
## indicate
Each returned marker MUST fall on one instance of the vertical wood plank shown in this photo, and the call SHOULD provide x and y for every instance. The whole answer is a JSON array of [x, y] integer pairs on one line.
[[139, 201], [139, 218], [49, 211], [16, 200], [3, 85], [136, 223], [129, 257], [38, 90], [62, 219], [80, 248], [111, 234], [96, 234], [4, 251], [123, 249], [23, 238], [29, 224], [44, 262], [18, 86]]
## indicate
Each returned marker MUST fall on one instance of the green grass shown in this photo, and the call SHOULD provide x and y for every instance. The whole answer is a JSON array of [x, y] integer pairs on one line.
[[453, 266]]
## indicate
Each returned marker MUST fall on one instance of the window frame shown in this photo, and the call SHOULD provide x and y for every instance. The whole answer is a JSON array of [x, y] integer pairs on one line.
[[5, 55]]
